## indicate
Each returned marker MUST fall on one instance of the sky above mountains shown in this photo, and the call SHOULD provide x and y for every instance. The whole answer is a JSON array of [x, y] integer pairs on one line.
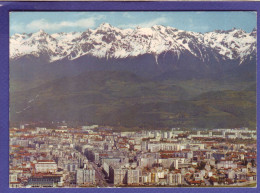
[[53, 22]]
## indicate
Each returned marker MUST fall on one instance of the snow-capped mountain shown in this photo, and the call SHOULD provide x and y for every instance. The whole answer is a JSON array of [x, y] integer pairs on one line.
[[110, 42]]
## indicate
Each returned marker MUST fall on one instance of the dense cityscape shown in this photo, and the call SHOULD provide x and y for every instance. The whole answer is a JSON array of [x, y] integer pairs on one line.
[[98, 156]]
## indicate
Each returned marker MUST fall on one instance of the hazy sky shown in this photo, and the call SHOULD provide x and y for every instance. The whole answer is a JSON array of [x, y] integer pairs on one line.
[[53, 22]]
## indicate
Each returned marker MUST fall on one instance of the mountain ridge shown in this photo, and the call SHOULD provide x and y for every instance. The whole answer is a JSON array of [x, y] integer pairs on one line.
[[107, 41], [147, 77]]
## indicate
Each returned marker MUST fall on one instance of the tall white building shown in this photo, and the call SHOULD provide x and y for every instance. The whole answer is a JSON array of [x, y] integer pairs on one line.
[[174, 179], [85, 176], [133, 177], [120, 176]]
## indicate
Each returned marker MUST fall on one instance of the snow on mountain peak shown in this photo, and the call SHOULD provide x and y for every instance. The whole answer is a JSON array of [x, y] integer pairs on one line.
[[105, 25], [107, 41], [41, 31]]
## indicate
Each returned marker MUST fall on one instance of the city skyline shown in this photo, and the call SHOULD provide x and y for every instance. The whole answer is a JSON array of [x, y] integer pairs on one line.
[[98, 156]]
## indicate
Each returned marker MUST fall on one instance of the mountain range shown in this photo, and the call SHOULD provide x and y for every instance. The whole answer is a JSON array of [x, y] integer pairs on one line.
[[149, 77]]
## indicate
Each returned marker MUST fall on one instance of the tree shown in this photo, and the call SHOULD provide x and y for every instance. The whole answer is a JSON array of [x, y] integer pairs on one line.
[[253, 162], [202, 165]]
